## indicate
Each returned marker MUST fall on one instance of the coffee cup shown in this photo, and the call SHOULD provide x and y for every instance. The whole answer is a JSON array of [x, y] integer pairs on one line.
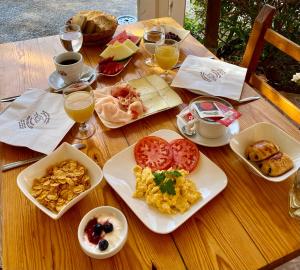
[[206, 126], [69, 66]]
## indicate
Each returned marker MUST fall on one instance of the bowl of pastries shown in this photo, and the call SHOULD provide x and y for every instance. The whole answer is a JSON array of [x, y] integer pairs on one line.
[[96, 26], [268, 151]]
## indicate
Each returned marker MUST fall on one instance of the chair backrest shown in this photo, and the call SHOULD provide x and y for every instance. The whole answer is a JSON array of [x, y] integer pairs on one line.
[[261, 33]]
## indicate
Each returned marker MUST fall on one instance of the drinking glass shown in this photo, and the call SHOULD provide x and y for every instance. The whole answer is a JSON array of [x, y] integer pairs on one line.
[[79, 105], [71, 37], [153, 35], [166, 55]]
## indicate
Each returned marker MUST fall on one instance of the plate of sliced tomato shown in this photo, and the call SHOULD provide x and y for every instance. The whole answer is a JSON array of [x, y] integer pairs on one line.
[[159, 153]]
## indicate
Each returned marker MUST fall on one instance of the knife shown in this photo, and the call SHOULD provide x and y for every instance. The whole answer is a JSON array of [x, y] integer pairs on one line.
[[30, 160]]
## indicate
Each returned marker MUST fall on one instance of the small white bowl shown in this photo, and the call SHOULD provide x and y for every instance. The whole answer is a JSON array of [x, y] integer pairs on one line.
[[270, 132], [39, 169], [121, 228], [182, 33]]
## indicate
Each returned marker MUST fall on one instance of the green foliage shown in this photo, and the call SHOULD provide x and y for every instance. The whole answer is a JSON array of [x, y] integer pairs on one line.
[[236, 20], [195, 19]]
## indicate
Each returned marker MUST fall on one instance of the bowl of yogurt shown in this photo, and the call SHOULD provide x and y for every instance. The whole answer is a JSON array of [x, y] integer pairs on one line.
[[102, 232]]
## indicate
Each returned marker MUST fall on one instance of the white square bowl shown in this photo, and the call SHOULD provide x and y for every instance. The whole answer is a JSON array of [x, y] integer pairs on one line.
[[270, 132], [39, 169], [182, 33]]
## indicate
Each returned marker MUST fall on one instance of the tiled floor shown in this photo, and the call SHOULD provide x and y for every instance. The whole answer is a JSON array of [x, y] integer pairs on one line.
[[291, 265]]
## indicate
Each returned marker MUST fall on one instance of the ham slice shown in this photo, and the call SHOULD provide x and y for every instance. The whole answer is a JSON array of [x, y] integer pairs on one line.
[[108, 108], [122, 105]]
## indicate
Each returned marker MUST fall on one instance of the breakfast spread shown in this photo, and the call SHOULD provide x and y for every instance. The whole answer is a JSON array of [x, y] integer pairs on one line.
[[103, 232], [269, 159], [161, 173], [122, 104], [63, 182], [93, 21]]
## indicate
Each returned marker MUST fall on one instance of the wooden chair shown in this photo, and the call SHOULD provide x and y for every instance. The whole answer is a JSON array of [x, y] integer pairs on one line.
[[261, 33]]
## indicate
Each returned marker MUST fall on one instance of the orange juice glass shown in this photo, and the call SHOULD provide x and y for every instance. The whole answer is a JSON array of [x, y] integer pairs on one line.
[[166, 56], [79, 105]]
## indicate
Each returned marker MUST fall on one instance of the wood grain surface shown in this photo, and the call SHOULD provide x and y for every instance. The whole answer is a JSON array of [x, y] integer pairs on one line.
[[247, 226]]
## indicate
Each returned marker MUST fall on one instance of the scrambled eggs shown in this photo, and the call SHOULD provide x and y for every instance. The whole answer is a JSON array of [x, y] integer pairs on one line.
[[169, 191]]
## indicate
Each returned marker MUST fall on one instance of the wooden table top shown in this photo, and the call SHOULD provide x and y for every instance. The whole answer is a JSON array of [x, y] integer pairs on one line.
[[247, 226]]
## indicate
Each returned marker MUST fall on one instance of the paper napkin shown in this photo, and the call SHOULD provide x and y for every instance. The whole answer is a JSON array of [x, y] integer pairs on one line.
[[36, 120], [203, 75]]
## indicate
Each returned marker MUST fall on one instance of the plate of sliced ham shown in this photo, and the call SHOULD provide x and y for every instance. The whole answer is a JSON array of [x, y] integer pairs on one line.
[[126, 102]]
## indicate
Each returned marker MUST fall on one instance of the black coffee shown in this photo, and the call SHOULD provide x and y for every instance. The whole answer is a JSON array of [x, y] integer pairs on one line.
[[69, 62]]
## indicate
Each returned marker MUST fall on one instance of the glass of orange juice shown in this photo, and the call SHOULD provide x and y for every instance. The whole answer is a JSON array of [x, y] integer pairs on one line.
[[79, 105], [166, 55]]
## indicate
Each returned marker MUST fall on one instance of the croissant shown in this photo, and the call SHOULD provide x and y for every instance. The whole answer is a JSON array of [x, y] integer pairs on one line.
[[276, 165], [261, 150]]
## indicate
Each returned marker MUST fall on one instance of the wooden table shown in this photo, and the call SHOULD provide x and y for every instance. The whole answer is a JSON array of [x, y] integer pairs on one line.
[[247, 226]]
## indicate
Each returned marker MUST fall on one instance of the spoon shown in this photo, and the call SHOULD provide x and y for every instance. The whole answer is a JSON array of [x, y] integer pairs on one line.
[[189, 130]]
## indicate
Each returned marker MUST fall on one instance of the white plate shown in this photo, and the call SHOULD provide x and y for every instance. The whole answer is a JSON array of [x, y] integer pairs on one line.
[[55, 81], [155, 93], [270, 132], [208, 177], [39, 169], [233, 129]]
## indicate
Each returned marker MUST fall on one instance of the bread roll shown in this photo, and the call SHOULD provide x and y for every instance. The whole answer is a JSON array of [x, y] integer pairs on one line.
[[79, 20], [276, 165], [261, 150]]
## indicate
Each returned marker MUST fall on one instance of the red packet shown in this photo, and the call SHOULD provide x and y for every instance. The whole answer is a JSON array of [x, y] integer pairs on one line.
[[207, 109], [230, 114], [186, 117]]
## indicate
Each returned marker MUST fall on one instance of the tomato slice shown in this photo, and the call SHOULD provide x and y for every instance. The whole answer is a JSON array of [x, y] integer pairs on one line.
[[185, 154], [153, 152]]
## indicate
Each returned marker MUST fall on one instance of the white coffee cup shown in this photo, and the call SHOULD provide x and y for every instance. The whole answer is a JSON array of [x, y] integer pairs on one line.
[[210, 130], [69, 65], [205, 127]]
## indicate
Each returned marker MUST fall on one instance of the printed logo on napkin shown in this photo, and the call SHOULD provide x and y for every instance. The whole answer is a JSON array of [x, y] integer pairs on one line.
[[36, 120], [203, 76]]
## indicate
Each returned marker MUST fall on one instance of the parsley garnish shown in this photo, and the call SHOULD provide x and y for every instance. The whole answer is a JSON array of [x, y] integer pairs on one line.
[[166, 181], [168, 186], [159, 177]]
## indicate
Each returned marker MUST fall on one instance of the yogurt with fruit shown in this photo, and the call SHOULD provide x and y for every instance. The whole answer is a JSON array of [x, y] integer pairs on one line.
[[103, 233]]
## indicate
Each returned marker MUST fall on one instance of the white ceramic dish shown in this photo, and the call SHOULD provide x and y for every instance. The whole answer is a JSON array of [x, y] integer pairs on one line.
[[55, 81], [208, 177], [182, 33], [232, 130], [93, 251], [267, 131], [156, 94], [39, 169]]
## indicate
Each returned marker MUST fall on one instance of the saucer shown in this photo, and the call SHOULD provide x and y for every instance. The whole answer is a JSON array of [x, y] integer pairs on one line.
[[232, 130], [55, 81]]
